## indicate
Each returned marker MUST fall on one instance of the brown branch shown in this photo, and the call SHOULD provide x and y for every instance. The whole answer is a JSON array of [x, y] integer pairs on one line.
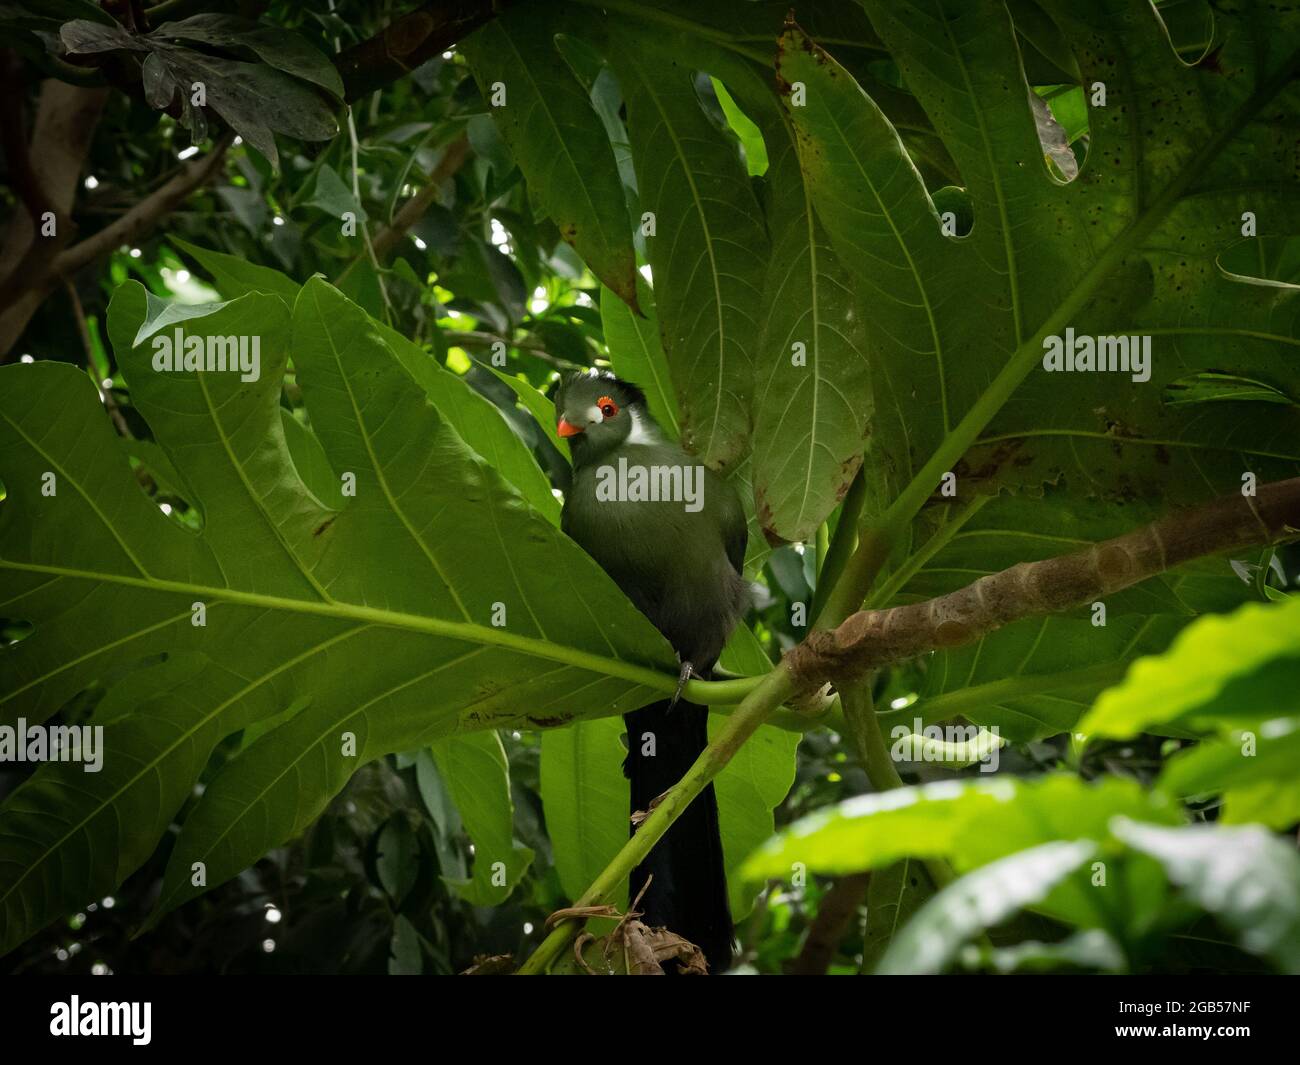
[[838, 907], [66, 117], [410, 41], [13, 138], [870, 639], [413, 209], [144, 215], [36, 282]]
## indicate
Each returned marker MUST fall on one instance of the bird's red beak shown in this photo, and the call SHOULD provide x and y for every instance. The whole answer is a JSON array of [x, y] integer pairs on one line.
[[567, 428]]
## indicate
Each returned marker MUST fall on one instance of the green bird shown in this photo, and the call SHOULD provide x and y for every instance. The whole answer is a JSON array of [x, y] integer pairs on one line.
[[671, 533]]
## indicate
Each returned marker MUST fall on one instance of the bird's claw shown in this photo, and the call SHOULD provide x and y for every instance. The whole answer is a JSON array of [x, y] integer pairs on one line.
[[687, 671]]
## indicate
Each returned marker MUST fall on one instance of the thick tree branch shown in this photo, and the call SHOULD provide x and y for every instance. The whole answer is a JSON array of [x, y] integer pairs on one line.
[[410, 41], [870, 639], [13, 137], [146, 214], [66, 117]]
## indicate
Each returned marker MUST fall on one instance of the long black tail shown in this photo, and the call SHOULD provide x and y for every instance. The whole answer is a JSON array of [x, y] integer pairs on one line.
[[688, 894]]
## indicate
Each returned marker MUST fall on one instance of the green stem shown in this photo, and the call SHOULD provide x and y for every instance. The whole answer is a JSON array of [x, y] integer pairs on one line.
[[757, 706], [874, 546], [842, 544], [697, 691], [873, 752], [867, 737], [890, 588]]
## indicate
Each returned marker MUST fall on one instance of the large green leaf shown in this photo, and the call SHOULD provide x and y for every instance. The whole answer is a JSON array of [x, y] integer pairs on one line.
[[957, 323], [976, 901], [709, 246], [1231, 669], [475, 771], [476, 419], [812, 397], [557, 139], [973, 823], [1247, 877], [366, 615], [934, 355]]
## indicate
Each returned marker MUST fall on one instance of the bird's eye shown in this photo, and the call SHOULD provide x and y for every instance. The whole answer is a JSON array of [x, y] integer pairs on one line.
[[607, 406]]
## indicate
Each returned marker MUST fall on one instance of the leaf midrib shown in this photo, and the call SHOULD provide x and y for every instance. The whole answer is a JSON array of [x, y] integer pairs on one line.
[[698, 204], [523, 66], [468, 631], [885, 213], [364, 431]]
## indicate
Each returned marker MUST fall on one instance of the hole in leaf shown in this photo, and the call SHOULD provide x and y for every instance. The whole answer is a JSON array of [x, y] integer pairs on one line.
[[158, 480], [1190, 26], [1061, 117], [728, 118], [1273, 262], [1215, 387], [955, 201]]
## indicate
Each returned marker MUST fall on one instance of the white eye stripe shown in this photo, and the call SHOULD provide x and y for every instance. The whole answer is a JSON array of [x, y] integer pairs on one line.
[[595, 416]]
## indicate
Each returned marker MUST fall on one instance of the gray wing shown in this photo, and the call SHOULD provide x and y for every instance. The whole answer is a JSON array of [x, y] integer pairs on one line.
[[735, 529]]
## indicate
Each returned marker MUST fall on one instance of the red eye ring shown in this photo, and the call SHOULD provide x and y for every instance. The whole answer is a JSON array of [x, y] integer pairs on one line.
[[607, 406]]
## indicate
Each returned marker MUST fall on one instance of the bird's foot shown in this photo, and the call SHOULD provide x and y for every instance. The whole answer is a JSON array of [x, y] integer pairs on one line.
[[686, 673]]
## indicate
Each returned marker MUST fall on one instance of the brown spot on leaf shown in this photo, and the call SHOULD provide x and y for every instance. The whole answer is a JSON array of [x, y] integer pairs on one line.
[[990, 463], [554, 721]]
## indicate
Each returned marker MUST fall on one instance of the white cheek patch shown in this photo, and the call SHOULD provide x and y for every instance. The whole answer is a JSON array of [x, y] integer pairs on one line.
[[594, 416], [639, 433]]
